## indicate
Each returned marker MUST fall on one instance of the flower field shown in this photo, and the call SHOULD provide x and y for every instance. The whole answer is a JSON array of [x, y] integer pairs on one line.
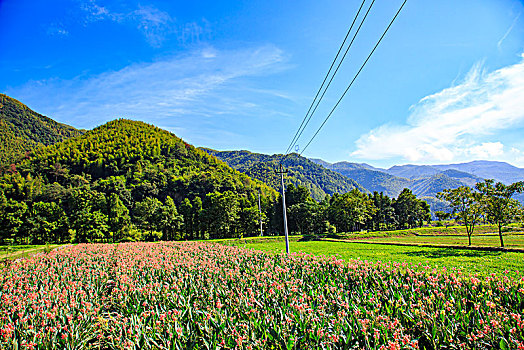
[[210, 296]]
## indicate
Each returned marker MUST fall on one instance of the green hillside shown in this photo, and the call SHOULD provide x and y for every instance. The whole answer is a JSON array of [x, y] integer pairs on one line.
[[124, 175], [301, 171], [23, 130]]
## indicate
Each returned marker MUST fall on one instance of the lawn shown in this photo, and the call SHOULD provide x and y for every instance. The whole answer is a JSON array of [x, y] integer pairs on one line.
[[469, 261], [482, 240]]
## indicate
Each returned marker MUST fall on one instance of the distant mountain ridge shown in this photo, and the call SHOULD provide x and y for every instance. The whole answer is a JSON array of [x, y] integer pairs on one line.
[[23, 130], [424, 180]]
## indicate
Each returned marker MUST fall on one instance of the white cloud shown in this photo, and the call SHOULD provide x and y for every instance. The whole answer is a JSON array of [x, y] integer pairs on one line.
[[454, 122], [499, 43], [153, 23], [57, 29], [199, 93]]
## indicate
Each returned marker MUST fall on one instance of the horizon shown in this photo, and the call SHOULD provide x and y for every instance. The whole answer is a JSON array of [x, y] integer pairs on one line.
[[445, 86]]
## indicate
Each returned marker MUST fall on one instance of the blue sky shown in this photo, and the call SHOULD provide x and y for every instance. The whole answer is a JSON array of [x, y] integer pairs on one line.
[[445, 85]]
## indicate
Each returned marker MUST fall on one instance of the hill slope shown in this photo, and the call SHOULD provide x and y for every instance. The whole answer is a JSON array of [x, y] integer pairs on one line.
[[23, 130], [128, 180], [152, 155], [301, 171]]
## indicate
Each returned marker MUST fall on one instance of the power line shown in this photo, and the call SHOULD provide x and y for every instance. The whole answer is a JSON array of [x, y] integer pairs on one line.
[[336, 70], [354, 78], [325, 78]]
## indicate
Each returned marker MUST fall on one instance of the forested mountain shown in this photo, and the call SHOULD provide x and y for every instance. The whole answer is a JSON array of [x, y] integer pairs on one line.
[[423, 180], [500, 171], [301, 171], [126, 174], [369, 177], [23, 130]]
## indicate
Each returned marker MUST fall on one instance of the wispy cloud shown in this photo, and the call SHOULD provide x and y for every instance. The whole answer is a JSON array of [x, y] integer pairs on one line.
[[457, 122], [199, 93], [499, 43], [57, 29], [156, 25]]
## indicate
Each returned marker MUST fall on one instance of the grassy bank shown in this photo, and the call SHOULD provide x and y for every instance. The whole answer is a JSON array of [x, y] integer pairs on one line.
[[468, 261]]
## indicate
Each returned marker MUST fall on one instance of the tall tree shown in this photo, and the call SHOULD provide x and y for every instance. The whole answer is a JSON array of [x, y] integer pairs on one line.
[[221, 214], [186, 209], [46, 223], [170, 220], [407, 209], [466, 204], [147, 214], [498, 204], [118, 217], [350, 211], [12, 215]]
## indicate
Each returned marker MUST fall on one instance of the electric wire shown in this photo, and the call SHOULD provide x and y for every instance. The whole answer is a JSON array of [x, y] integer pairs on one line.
[[336, 70], [326, 77], [354, 78]]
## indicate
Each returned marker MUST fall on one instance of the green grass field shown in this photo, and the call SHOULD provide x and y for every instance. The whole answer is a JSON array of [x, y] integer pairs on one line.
[[20, 251], [468, 261], [481, 240]]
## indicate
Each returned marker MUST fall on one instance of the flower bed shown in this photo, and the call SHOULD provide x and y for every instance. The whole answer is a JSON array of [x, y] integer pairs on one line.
[[210, 296]]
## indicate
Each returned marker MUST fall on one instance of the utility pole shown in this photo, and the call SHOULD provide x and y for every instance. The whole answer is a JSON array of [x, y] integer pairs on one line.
[[281, 172], [260, 211]]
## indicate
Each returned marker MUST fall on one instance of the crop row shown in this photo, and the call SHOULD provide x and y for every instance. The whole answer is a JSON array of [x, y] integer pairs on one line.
[[209, 296]]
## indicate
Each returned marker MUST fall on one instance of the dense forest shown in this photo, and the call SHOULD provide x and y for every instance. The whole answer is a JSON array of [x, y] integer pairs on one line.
[[128, 180], [300, 172], [23, 130]]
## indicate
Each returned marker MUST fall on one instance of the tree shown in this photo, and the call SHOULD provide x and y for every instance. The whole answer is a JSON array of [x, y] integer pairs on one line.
[[147, 214], [87, 211], [442, 215], [12, 215], [90, 226], [296, 195], [350, 211], [384, 215], [221, 214], [196, 213], [186, 209], [466, 204], [301, 216], [170, 220], [408, 210], [118, 217], [46, 223], [498, 205]]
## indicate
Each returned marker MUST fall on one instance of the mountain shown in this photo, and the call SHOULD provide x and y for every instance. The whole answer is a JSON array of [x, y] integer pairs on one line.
[[301, 171], [369, 177], [423, 181], [146, 155], [24, 130], [500, 171], [128, 180], [472, 172], [430, 186]]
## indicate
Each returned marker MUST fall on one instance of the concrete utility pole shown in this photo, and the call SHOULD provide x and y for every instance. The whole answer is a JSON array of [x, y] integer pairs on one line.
[[281, 172], [260, 211]]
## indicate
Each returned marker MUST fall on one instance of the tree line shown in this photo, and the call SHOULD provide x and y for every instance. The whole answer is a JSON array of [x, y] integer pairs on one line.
[[112, 210]]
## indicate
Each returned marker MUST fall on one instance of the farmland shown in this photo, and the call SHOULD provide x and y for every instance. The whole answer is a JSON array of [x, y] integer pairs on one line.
[[439, 254], [210, 296]]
